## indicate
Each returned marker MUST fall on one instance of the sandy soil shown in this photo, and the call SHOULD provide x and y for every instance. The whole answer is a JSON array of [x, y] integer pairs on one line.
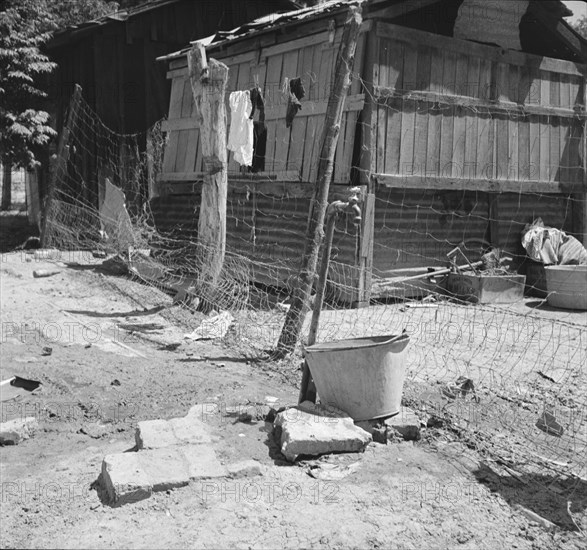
[[100, 380]]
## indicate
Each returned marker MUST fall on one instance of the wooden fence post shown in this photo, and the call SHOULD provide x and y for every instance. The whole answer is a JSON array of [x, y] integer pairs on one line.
[[62, 156], [209, 79], [315, 231]]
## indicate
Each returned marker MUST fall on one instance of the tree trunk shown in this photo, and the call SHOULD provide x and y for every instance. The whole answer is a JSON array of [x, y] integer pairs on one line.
[[295, 316], [209, 79], [6, 187]]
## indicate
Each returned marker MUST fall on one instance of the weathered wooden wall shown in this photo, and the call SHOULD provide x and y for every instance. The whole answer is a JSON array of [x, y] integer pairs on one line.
[[463, 115], [457, 141], [468, 142], [291, 154]]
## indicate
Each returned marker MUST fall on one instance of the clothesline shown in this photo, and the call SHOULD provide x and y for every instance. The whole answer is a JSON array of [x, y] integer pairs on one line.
[[246, 137]]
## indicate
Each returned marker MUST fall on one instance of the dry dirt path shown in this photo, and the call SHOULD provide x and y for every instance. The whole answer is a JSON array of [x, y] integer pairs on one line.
[[432, 494]]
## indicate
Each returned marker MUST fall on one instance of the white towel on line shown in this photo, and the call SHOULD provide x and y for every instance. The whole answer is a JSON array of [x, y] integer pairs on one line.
[[240, 136]]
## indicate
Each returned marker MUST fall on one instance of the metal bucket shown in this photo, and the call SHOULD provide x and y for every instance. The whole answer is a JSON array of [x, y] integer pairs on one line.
[[363, 377], [567, 286]]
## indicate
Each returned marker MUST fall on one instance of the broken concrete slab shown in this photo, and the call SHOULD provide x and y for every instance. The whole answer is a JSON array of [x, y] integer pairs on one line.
[[245, 468], [124, 479], [12, 432], [312, 430], [130, 477], [159, 434], [406, 423]]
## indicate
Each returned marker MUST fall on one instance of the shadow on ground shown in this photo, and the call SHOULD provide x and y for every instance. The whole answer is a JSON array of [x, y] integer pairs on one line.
[[546, 496]]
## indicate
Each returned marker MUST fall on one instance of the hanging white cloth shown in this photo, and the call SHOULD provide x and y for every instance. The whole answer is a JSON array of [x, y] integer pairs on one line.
[[240, 136]]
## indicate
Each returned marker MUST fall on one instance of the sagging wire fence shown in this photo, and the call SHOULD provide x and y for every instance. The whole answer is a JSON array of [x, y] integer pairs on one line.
[[526, 363]]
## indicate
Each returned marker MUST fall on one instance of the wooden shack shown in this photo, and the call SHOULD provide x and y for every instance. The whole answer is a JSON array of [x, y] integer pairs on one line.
[[465, 120], [113, 58]]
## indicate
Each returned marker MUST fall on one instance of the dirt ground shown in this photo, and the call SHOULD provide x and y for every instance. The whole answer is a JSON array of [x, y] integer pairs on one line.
[[100, 380]]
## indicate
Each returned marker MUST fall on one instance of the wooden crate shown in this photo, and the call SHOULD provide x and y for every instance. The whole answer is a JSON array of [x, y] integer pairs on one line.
[[487, 289]]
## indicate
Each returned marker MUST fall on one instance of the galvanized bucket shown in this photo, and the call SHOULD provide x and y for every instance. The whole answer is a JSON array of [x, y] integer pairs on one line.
[[363, 377]]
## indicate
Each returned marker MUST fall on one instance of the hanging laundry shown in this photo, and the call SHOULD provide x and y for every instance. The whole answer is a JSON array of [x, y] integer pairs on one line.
[[240, 136], [259, 131], [296, 93], [258, 104]]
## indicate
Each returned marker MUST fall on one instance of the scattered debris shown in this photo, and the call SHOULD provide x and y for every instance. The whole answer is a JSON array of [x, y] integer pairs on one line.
[[332, 472], [580, 520], [115, 266], [461, 388], [246, 468], [548, 424], [95, 431], [46, 351], [15, 387], [533, 516], [242, 413], [40, 273], [214, 327], [14, 431], [414, 305], [26, 359], [169, 347], [546, 377], [311, 430], [376, 428], [406, 424], [141, 327]]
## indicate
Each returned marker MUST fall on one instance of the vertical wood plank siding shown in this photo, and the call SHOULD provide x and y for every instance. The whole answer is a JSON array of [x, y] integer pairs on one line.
[[289, 150], [445, 132]]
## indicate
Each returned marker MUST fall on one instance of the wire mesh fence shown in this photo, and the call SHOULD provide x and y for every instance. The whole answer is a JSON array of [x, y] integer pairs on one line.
[[509, 379]]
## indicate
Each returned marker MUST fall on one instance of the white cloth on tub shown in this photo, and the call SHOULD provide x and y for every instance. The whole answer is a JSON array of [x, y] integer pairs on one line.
[[240, 136]]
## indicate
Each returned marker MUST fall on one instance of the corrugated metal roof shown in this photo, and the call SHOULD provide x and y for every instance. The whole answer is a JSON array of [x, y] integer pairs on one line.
[[276, 20], [273, 21], [120, 17]]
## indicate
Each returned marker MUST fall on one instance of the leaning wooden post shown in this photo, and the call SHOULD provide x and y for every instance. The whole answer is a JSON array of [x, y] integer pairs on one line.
[[295, 316], [209, 80], [60, 166]]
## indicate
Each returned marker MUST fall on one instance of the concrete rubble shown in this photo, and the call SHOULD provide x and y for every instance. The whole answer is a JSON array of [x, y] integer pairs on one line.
[[171, 453], [12, 432], [406, 425], [311, 430]]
